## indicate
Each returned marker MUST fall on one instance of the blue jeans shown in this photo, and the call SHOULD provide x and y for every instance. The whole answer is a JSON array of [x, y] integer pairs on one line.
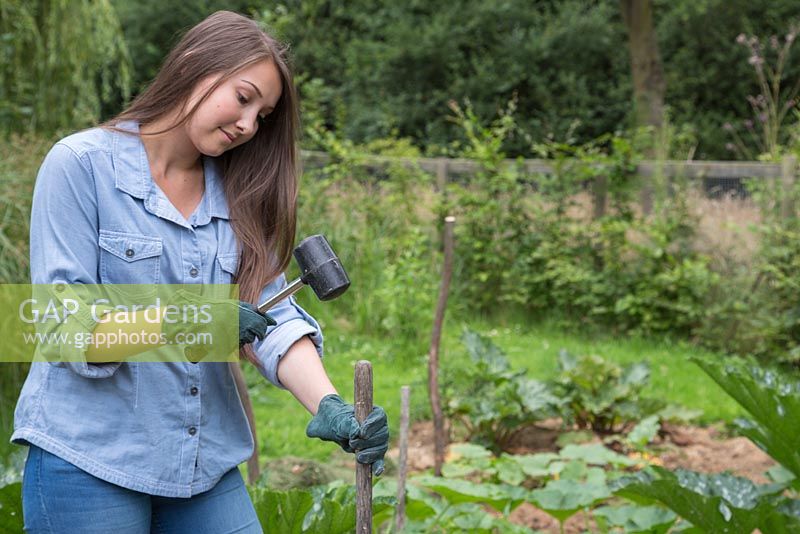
[[57, 497]]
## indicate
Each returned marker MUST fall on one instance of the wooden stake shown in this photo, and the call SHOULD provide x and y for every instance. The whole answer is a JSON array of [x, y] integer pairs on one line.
[[363, 406], [433, 354], [400, 515]]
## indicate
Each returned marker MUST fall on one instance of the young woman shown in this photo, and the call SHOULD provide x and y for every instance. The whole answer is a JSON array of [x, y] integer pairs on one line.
[[194, 183]]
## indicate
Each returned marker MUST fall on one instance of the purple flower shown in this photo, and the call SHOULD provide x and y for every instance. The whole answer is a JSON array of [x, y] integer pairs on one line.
[[762, 117], [728, 127], [748, 124], [730, 146], [741, 38], [755, 59]]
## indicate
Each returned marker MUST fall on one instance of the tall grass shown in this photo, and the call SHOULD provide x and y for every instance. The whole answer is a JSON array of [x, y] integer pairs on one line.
[[20, 158]]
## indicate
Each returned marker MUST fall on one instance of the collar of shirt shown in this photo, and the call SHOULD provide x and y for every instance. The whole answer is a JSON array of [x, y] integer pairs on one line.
[[132, 175]]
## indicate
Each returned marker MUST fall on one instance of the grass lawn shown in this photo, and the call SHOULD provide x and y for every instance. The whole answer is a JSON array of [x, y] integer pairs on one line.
[[282, 420]]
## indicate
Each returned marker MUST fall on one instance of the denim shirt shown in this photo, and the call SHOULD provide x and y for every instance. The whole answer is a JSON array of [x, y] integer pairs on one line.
[[164, 428]]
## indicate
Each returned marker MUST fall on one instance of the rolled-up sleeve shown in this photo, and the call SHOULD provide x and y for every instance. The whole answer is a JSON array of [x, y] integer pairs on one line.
[[293, 322], [64, 237]]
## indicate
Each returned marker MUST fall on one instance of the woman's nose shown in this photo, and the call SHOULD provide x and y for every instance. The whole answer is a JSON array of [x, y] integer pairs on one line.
[[245, 125]]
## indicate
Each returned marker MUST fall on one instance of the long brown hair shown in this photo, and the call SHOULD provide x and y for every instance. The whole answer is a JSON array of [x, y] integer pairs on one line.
[[260, 176]]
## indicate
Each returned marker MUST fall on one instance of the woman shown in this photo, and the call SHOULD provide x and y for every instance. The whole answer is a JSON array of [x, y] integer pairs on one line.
[[194, 183]]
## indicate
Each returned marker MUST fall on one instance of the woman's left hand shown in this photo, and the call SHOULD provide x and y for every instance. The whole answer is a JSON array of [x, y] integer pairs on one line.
[[335, 421]]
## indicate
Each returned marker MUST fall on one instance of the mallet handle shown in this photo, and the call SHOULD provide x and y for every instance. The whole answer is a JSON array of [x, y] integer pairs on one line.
[[291, 289], [363, 405]]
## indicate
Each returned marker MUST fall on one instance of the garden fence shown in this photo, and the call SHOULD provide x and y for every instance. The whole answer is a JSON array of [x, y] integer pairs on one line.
[[718, 177]]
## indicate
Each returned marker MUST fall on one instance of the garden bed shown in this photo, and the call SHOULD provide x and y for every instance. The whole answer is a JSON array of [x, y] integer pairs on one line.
[[702, 449]]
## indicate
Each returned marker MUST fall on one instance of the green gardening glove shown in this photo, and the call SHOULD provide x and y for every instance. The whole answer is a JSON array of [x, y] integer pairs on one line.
[[336, 421], [252, 324]]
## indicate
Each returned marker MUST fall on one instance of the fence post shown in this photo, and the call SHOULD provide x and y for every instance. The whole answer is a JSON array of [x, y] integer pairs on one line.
[[441, 174], [788, 171], [646, 194]]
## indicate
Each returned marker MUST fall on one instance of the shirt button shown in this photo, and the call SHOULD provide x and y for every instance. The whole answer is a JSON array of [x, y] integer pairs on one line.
[[194, 390], [192, 431], [129, 253], [193, 272]]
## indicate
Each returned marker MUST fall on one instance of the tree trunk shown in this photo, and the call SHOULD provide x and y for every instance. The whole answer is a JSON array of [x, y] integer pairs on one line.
[[648, 74]]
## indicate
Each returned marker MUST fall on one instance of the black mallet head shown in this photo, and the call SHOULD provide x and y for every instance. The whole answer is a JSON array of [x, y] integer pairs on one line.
[[320, 268]]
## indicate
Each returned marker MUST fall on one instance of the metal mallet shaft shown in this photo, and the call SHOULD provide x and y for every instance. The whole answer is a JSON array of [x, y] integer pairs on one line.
[[291, 289]]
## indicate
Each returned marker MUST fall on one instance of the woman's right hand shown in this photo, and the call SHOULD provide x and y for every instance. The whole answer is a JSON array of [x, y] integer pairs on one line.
[[191, 318]]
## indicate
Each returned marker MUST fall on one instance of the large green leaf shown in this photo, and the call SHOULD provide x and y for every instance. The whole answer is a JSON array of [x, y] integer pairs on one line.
[[771, 399], [644, 432], [637, 519], [508, 471], [562, 498], [536, 465], [331, 517], [537, 396], [499, 496], [719, 503], [282, 512], [595, 454], [11, 508], [481, 349]]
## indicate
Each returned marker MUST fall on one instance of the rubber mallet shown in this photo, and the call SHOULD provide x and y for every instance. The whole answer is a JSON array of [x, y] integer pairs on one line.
[[320, 268]]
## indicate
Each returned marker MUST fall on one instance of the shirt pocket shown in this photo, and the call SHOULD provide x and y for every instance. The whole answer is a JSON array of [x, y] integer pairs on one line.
[[129, 258], [227, 265]]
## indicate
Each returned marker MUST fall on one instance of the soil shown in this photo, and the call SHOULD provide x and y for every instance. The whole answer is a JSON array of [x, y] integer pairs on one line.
[[703, 449]]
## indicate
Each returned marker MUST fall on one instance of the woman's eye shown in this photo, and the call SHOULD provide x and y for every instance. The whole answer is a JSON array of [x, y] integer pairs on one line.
[[242, 99]]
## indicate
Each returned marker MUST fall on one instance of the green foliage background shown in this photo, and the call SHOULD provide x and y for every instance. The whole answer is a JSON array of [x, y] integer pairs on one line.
[[382, 67]]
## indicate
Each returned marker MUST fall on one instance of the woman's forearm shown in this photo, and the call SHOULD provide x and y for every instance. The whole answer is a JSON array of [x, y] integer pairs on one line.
[[302, 373]]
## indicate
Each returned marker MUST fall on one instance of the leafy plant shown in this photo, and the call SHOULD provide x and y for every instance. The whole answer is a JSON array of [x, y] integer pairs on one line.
[[491, 401], [771, 399], [719, 503], [602, 395], [643, 433], [328, 508]]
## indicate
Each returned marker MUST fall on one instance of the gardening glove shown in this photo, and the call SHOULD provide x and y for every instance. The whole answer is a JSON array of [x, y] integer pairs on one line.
[[252, 323], [336, 421]]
